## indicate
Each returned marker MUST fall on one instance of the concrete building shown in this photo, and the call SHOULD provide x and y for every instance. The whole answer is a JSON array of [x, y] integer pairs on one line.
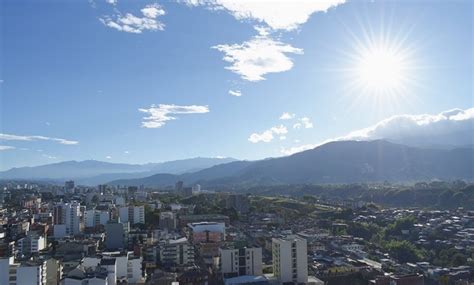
[[93, 218], [116, 235], [132, 214], [31, 244], [176, 252], [168, 221], [31, 274], [290, 259], [235, 262], [68, 214]]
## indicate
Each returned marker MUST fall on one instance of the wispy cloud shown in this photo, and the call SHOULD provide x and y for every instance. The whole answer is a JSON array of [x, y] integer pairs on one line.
[[9, 137], [278, 15], [108, 157], [137, 24], [6, 147], [295, 149], [236, 93], [159, 115], [304, 122], [287, 116], [267, 136]]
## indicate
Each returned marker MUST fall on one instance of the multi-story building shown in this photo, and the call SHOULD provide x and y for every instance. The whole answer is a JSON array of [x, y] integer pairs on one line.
[[167, 221], [31, 244], [176, 252], [68, 214], [290, 260], [93, 218], [132, 214], [240, 261]]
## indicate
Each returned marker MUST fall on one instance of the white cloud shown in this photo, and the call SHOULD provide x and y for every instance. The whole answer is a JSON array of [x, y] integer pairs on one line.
[[133, 24], [287, 116], [279, 130], [159, 115], [282, 138], [9, 137], [304, 122], [277, 14], [126, 152], [295, 149], [257, 57], [6, 147], [153, 11], [452, 127], [267, 136], [108, 157], [235, 93], [111, 2]]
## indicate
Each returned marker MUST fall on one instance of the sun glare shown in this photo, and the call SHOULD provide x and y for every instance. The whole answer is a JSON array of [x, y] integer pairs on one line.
[[380, 69]]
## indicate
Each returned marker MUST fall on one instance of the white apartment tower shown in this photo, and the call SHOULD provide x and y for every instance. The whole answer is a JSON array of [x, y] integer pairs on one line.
[[240, 261], [290, 260]]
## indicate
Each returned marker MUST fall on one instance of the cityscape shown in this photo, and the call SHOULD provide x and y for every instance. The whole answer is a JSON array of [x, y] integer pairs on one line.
[[233, 142]]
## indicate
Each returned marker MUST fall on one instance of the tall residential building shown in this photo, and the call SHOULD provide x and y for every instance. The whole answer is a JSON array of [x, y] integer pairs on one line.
[[68, 214], [31, 244], [116, 235], [168, 221], [176, 252], [290, 260], [33, 273], [94, 218], [240, 261], [132, 214]]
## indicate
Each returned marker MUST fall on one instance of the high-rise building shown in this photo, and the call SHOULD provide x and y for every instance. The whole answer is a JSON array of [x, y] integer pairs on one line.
[[116, 235], [69, 186], [240, 261], [132, 214], [176, 252], [290, 260], [68, 214], [93, 218], [167, 221]]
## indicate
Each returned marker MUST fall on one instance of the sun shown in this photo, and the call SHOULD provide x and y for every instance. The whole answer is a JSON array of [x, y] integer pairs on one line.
[[380, 69]]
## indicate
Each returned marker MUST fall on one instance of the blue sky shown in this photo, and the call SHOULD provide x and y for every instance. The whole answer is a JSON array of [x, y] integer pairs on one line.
[[79, 78]]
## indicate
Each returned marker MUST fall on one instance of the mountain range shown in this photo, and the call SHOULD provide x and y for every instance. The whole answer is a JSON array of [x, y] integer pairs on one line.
[[93, 172], [334, 162]]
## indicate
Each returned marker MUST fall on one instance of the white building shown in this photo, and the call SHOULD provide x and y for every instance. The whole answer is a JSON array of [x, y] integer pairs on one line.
[[290, 259], [176, 252], [31, 274], [242, 261], [94, 218], [132, 214], [68, 214], [31, 244]]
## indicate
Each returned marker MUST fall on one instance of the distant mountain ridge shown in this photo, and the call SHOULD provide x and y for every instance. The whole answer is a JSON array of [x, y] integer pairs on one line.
[[93, 172], [335, 162]]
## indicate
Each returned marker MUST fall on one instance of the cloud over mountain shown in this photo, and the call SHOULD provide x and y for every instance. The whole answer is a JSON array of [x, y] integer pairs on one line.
[[452, 127]]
